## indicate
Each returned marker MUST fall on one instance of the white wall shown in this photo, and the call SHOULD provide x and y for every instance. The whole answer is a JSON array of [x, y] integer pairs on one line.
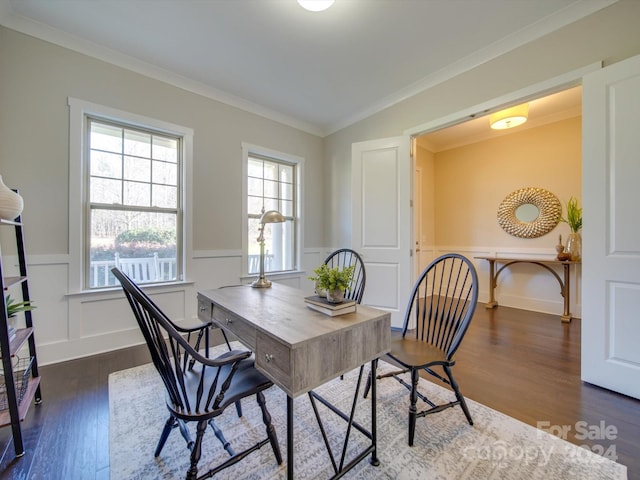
[[609, 35], [36, 79], [471, 181]]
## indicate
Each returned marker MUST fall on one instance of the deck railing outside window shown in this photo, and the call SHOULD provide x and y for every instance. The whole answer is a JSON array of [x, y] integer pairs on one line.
[[141, 270]]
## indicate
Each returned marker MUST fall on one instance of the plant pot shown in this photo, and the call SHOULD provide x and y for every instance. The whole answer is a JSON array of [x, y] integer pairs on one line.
[[574, 246], [335, 296], [321, 292]]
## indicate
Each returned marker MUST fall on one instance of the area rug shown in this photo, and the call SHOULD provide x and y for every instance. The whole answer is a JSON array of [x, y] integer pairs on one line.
[[446, 446]]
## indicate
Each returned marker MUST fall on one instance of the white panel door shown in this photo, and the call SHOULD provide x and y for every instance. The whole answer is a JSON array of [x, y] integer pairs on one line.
[[381, 221], [611, 233]]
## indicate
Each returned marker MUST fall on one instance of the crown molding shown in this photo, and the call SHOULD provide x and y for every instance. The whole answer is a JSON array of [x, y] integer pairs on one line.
[[573, 12], [19, 23]]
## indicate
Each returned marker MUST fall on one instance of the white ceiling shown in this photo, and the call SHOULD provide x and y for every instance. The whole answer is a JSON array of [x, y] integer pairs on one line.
[[316, 71]]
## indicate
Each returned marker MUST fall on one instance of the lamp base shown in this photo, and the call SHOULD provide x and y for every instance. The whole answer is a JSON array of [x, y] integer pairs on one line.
[[261, 283]]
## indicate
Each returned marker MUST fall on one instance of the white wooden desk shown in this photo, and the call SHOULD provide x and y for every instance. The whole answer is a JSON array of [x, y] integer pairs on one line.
[[300, 349]]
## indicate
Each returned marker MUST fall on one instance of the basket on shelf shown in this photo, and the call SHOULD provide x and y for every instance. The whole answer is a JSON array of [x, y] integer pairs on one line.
[[21, 374]]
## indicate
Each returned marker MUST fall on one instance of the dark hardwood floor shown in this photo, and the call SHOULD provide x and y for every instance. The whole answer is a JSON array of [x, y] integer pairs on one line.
[[524, 364]]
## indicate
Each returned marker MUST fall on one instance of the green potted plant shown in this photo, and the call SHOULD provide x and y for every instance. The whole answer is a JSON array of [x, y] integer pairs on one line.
[[321, 279], [574, 220], [14, 307], [333, 281]]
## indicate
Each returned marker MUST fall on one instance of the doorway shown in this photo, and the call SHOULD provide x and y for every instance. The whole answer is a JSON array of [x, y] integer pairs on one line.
[[463, 172]]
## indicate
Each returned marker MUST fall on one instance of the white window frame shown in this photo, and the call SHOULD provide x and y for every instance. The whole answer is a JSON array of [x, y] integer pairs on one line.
[[79, 110], [248, 150]]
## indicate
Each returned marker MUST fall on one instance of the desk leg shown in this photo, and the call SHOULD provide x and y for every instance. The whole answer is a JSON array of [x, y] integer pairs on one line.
[[566, 294], [374, 418], [289, 438], [492, 285]]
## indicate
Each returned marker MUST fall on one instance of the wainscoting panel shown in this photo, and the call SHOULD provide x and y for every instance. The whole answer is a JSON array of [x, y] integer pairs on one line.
[[81, 324], [105, 315], [69, 326]]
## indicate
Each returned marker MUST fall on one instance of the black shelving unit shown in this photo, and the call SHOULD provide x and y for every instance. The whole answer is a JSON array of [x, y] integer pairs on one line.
[[20, 378]]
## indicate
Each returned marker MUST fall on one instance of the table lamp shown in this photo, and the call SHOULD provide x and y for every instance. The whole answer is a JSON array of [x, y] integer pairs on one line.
[[270, 216]]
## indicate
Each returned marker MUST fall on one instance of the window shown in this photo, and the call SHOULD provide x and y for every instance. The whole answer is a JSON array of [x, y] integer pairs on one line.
[[133, 203], [130, 179], [272, 184]]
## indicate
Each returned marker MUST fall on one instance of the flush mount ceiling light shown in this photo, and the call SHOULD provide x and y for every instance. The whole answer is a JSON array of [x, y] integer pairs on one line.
[[315, 5], [509, 118]]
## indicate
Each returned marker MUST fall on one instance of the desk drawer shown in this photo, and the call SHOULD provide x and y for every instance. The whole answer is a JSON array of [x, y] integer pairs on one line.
[[204, 310], [239, 327], [274, 358]]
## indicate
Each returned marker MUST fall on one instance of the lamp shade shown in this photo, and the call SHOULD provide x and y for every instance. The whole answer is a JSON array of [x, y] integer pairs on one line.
[[509, 118], [315, 5], [272, 216]]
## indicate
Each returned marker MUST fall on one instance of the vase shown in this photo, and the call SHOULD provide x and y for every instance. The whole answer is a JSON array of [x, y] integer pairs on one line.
[[335, 296], [574, 246], [11, 203], [321, 292]]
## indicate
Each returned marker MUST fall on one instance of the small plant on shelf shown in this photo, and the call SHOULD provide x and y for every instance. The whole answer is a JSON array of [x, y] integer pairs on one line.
[[14, 307]]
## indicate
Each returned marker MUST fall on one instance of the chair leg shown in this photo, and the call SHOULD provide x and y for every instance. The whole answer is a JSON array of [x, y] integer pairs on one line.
[[168, 426], [271, 431], [220, 436], [196, 451], [239, 408], [459, 396], [185, 433], [413, 400]]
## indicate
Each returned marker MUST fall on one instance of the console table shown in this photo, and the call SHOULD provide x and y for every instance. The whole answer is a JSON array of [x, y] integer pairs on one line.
[[564, 282], [299, 349]]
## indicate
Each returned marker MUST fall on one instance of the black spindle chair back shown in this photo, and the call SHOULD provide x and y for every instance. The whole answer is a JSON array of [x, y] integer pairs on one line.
[[442, 303]]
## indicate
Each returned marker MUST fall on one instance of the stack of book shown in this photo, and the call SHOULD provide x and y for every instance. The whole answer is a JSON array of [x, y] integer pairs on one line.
[[321, 304]]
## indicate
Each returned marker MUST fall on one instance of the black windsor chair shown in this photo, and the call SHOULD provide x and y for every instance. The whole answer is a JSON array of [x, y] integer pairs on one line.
[[441, 306], [198, 388]]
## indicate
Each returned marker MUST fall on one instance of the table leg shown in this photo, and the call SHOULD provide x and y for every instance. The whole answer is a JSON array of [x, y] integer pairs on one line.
[[289, 438], [566, 289], [374, 422], [492, 284]]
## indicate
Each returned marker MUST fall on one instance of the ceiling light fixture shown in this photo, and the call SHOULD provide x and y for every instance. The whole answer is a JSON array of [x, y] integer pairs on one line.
[[315, 5], [509, 118]]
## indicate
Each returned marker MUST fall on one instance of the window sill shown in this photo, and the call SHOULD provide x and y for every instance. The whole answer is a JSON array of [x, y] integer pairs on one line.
[[274, 275], [144, 286]]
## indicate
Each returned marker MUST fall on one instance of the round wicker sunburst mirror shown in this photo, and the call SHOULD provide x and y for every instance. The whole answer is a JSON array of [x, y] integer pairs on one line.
[[529, 212]]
